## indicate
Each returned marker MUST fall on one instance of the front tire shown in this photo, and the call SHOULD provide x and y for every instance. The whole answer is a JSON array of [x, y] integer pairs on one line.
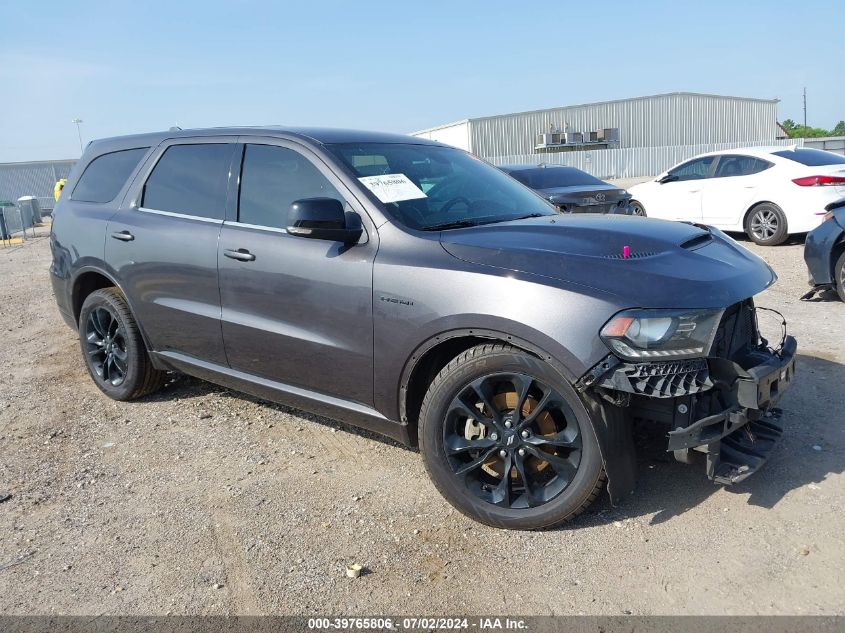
[[839, 276], [508, 442], [637, 208], [113, 349], [766, 225]]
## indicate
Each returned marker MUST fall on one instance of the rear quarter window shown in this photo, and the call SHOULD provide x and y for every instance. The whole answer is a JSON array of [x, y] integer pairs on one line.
[[812, 157], [105, 176]]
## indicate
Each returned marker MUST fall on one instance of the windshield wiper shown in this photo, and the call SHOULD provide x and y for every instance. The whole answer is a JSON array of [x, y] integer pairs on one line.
[[457, 224], [530, 215]]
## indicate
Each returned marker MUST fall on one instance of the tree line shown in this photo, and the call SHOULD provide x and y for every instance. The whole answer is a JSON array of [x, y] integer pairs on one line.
[[805, 131]]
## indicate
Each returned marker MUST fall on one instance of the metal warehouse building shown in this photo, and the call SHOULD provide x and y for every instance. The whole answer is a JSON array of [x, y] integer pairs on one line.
[[678, 118], [35, 178]]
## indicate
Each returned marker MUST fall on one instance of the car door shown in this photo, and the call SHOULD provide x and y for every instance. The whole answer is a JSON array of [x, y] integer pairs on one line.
[[728, 194], [677, 195], [295, 310], [163, 246]]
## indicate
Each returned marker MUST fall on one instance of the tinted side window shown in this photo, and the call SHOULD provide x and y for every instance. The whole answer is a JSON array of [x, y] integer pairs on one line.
[[740, 166], [760, 165], [693, 170], [190, 179], [272, 178], [104, 177], [812, 157]]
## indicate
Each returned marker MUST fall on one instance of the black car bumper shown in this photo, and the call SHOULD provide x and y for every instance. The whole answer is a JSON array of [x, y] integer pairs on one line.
[[715, 406], [59, 292], [751, 391], [739, 439]]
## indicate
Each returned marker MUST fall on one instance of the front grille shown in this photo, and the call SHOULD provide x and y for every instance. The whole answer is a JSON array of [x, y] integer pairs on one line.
[[586, 208], [667, 379], [737, 334]]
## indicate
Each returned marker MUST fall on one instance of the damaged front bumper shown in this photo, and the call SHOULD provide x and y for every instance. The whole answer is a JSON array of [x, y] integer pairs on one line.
[[716, 406]]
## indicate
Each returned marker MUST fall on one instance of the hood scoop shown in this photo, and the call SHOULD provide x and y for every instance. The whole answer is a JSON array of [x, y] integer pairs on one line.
[[697, 242]]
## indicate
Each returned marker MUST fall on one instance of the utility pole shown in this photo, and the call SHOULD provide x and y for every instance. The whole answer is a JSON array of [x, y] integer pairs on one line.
[[78, 132], [805, 106]]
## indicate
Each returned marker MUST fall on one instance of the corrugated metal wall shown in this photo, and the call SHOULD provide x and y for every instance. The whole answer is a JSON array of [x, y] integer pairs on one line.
[[455, 134], [32, 179], [632, 162], [656, 121], [834, 144]]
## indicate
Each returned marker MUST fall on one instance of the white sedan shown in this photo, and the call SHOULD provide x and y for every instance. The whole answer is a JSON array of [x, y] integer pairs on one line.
[[767, 193]]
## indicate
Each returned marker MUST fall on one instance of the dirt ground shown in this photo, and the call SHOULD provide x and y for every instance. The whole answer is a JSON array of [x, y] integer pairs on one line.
[[203, 501]]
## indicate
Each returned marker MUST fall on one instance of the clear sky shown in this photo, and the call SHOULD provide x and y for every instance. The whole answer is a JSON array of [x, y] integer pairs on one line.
[[127, 67]]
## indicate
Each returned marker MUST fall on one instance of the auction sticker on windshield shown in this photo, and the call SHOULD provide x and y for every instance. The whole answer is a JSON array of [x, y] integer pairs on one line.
[[392, 187]]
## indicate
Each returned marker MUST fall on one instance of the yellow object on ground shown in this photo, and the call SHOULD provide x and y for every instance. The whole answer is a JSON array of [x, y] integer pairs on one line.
[[57, 190]]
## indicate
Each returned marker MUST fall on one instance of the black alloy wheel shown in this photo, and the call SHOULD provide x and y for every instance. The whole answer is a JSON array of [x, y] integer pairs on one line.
[[113, 348], [508, 441], [105, 343], [513, 440]]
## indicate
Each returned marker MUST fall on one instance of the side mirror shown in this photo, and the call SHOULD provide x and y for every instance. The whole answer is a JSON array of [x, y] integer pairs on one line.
[[667, 178], [321, 219]]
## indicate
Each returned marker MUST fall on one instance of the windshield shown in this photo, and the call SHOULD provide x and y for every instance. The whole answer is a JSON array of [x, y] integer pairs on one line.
[[554, 177], [426, 187]]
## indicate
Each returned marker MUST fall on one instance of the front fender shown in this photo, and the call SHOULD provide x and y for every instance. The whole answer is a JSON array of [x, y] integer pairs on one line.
[[819, 247]]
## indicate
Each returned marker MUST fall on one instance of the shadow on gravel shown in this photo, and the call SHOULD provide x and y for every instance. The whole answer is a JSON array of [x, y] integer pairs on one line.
[[795, 238], [812, 447], [184, 387], [828, 295]]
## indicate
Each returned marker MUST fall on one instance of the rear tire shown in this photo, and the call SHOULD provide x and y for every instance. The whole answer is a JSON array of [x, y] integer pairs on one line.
[[113, 349], [839, 276], [526, 471], [637, 209], [766, 225]]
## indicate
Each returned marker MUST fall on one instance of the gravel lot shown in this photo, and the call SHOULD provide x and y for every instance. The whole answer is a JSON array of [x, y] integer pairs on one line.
[[204, 501]]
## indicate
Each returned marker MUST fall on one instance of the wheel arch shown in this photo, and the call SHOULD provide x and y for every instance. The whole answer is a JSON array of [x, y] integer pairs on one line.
[[90, 279], [84, 283], [835, 253], [433, 354], [756, 204]]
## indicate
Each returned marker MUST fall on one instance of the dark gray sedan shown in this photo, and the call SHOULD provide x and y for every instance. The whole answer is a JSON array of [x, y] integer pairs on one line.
[[572, 190]]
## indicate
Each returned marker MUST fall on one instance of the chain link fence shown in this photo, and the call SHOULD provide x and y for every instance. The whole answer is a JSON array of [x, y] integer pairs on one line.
[[15, 223]]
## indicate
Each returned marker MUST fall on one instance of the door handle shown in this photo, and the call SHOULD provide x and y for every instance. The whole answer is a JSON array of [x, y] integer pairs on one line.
[[123, 236], [242, 255]]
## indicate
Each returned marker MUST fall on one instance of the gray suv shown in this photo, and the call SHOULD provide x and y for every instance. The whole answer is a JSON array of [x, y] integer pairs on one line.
[[410, 288]]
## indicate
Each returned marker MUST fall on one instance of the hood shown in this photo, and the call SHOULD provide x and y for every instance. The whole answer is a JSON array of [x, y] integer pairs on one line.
[[584, 194], [669, 264]]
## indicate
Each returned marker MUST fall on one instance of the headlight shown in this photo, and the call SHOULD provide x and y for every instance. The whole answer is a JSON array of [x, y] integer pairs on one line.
[[661, 334]]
